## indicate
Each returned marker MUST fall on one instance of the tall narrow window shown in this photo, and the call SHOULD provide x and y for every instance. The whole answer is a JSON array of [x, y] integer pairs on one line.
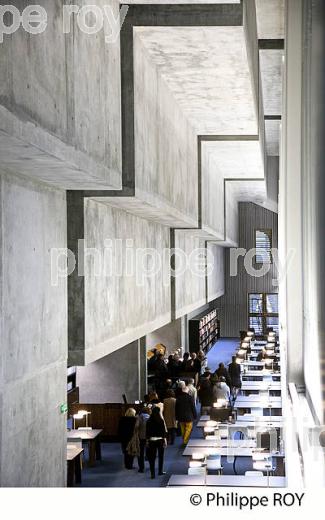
[[263, 313], [263, 246]]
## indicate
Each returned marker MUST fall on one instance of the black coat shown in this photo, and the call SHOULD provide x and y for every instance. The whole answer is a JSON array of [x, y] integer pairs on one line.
[[205, 392], [155, 428], [125, 430], [235, 374], [174, 368], [185, 408]]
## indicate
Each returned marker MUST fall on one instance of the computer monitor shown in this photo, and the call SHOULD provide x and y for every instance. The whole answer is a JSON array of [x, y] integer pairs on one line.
[[220, 414]]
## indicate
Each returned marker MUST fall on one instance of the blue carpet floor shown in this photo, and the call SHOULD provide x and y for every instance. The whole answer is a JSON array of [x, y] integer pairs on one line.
[[109, 472], [222, 352]]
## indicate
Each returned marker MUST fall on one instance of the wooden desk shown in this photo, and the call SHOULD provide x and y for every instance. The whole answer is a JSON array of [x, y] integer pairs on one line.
[[92, 438], [226, 481], [74, 465]]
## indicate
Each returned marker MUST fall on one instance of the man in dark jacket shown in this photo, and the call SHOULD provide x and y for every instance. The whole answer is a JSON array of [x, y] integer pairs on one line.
[[185, 414], [205, 393], [223, 372]]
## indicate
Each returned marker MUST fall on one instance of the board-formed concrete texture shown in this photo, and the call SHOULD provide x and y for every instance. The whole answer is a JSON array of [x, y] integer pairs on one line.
[[116, 374], [165, 145], [168, 2], [270, 19], [60, 95], [170, 334], [224, 162], [190, 267], [33, 335], [207, 69], [215, 271], [166, 152], [271, 63], [127, 292]]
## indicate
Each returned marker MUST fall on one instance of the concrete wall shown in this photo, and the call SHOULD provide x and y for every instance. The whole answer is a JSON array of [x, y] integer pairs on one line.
[[166, 172], [290, 209], [272, 178], [233, 305], [313, 216], [213, 201], [232, 215], [122, 306], [215, 277], [33, 335], [170, 335], [65, 103], [190, 282], [106, 380]]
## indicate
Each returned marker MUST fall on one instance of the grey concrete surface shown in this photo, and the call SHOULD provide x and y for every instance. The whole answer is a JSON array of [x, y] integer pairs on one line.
[[33, 335], [53, 87], [190, 282], [170, 335], [215, 276], [120, 308], [106, 380], [270, 18]]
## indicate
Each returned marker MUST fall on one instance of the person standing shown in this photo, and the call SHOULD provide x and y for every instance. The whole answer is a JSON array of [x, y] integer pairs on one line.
[[156, 433], [126, 431], [192, 390], [170, 416], [142, 432], [203, 360], [235, 376], [205, 392], [222, 390], [223, 372], [185, 414]]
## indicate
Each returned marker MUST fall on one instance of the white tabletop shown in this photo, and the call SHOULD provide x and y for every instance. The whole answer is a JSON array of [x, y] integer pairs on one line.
[[265, 374], [253, 363], [221, 443], [224, 452], [85, 435], [257, 398], [261, 386], [187, 480], [251, 418], [242, 481], [252, 402]]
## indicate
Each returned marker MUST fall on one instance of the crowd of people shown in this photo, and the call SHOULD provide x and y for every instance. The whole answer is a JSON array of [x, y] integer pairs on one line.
[[171, 407]]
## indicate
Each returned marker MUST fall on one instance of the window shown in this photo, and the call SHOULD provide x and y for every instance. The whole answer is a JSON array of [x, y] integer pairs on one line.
[[263, 313], [263, 246]]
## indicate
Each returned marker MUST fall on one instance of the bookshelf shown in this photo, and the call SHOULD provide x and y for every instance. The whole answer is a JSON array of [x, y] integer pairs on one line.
[[204, 331]]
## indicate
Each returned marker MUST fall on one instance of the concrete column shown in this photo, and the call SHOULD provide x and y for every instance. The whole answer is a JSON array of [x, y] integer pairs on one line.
[[290, 211], [142, 367], [33, 334], [313, 202]]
